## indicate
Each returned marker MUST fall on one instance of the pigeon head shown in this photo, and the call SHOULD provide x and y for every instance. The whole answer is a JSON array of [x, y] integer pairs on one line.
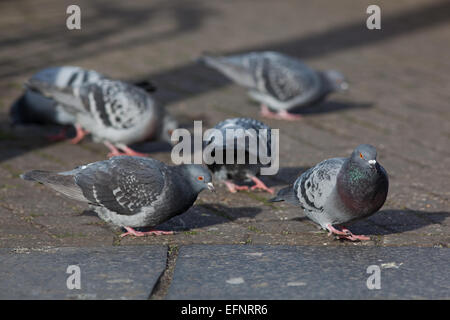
[[198, 176], [336, 80], [168, 127], [365, 155]]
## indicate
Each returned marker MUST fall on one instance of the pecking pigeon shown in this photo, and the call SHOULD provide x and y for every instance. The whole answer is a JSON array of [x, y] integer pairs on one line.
[[246, 170], [340, 190], [32, 107], [114, 112], [277, 81], [130, 191]]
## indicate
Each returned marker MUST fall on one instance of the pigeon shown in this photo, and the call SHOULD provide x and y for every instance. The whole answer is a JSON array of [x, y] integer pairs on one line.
[[247, 171], [277, 81], [340, 191], [34, 108], [130, 192], [114, 112]]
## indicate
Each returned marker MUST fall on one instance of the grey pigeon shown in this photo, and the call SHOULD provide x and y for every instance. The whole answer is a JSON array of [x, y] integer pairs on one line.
[[246, 171], [279, 82], [113, 112], [32, 107], [340, 191], [130, 192]]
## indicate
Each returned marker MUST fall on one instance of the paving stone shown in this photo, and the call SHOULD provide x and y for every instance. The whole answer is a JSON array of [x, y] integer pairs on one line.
[[301, 272], [106, 273]]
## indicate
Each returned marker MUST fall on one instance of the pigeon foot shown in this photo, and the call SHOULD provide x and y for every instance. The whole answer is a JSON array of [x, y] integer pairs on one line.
[[345, 234], [131, 231], [233, 188], [260, 185], [81, 133], [281, 115], [127, 151], [59, 136]]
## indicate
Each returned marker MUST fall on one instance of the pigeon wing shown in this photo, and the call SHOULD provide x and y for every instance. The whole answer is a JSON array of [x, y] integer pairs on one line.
[[123, 184], [315, 185]]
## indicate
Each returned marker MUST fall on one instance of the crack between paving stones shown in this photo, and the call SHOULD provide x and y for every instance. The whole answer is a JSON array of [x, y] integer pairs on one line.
[[162, 285]]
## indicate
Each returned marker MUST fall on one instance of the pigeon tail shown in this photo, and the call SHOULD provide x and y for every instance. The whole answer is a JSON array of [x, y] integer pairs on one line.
[[286, 194], [147, 85], [67, 96], [63, 183], [41, 176], [234, 69], [18, 112]]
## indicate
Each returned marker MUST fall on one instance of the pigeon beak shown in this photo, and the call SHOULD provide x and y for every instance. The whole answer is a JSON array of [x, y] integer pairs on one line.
[[211, 187], [344, 86], [372, 162]]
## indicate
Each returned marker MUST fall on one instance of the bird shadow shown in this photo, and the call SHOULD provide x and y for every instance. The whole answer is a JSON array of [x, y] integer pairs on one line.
[[207, 215], [330, 106], [387, 222], [285, 176], [199, 216]]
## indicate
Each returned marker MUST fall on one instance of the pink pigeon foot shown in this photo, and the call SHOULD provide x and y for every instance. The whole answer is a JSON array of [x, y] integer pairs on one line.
[[281, 115], [131, 231], [260, 185], [59, 136], [127, 151], [233, 188], [345, 234], [81, 133]]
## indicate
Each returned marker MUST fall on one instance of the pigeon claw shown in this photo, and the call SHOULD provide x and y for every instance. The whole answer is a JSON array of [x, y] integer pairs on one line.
[[281, 115], [131, 231], [259, 185], [127, 151], [233, 188], [58, 137], [81, 133], [345, 234]]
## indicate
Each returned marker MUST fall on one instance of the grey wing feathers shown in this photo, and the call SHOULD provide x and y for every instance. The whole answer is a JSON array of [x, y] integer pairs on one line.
[[115, 103], [286, 78], [66, 96], [250, 126], [315, 185], [123, 184]]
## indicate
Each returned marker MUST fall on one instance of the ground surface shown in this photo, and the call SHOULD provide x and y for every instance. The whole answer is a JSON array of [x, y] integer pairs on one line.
[[398, 101]]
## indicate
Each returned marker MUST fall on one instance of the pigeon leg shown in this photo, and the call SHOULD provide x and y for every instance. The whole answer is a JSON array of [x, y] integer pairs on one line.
[[345, 233], [233, 188], [355, 236], [131, 231], [260, 185], [113, 150], [127, 151], [130, 152], [281, 115], [81, 133], [266, 113], [284, 115], [59, 136]]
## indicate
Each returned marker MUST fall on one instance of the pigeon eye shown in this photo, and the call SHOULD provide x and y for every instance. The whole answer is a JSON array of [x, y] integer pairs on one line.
[[200, 178], [361, 156]]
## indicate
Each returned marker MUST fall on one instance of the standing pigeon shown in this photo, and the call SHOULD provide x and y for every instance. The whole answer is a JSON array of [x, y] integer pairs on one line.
[[340, 190], [114, 112], [129, 191], [247, 170], [277, 81], [33, 107]]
